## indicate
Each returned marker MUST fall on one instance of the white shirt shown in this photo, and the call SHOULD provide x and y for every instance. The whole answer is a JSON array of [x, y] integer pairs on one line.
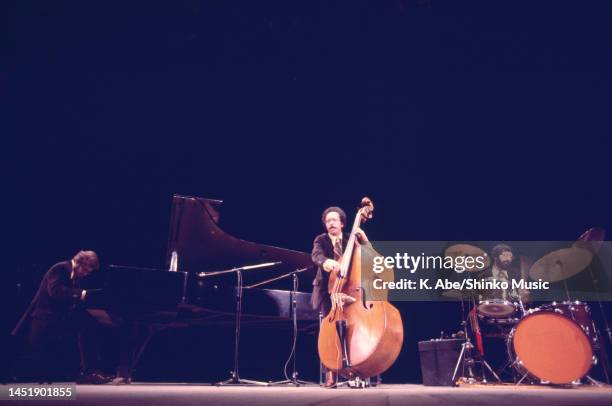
[[334, 239]]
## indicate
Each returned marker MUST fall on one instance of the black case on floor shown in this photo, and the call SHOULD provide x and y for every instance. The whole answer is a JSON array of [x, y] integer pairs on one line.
[[438, 360]]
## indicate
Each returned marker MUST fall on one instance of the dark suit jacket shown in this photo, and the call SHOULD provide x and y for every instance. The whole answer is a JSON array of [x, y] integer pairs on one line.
[[54, 299], [321, 251]]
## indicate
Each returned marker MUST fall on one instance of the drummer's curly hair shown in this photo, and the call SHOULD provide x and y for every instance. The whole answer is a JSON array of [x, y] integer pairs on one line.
[[338, 210], [499, 249]]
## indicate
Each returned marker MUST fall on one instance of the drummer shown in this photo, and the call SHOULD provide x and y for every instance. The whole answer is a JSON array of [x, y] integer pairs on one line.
[[503, 270]]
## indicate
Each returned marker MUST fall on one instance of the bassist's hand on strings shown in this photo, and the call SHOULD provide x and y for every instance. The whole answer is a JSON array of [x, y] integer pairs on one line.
[[331, 265], [342, 298]]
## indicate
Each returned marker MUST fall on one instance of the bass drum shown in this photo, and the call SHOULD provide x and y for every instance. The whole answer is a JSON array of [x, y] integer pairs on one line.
[[550, 348], [580, 313]]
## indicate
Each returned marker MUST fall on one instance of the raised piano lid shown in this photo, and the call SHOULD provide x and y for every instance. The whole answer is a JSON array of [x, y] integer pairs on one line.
[[202, 246]]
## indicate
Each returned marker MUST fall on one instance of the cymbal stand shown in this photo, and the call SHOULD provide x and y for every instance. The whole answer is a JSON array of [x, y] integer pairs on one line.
[[569, 299], [466, 359], [602, 345], [521, 304], [509, 363]]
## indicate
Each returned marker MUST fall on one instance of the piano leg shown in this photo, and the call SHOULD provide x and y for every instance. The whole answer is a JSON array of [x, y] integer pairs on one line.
[[136, 337]]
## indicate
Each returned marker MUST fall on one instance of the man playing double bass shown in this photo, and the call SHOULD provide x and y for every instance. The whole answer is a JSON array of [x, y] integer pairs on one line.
[[326, 252]]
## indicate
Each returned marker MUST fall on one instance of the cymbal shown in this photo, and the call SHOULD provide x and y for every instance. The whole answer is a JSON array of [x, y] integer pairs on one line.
[[467, 250], [561, 264], [592, 239]]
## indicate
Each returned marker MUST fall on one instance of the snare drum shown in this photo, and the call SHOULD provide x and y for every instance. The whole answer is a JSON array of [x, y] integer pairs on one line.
[[497, 311], [550, 347]]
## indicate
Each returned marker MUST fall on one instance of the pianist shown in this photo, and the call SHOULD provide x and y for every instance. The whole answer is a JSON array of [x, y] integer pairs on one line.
[[56, 312], [327, 250]]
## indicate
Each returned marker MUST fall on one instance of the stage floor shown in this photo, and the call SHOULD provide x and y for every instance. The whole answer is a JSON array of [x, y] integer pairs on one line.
[[140, 394]]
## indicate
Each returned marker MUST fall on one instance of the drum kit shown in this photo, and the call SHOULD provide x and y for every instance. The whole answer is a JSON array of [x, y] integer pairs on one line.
[[555, 343]]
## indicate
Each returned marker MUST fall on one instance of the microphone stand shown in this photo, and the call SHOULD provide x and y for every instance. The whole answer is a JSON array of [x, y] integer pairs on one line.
[[294, 375], [234, 378]]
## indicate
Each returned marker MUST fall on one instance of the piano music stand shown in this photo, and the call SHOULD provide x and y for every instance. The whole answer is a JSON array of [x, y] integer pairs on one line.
[[294, 375]]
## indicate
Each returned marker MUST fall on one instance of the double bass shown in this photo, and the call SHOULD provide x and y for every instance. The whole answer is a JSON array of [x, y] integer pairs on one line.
[[363, 338]]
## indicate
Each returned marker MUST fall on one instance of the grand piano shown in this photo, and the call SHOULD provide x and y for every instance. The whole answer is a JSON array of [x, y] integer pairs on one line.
[[144, 301]]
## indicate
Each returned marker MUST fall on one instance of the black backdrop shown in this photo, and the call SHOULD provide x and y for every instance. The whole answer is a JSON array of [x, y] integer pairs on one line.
[[461, 120]]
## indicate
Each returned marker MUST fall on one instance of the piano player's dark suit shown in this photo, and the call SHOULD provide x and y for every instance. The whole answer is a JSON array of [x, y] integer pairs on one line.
[[55, 312]]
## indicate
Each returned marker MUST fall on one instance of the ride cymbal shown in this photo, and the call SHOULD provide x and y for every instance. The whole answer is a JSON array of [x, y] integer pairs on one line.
[[561, 264]]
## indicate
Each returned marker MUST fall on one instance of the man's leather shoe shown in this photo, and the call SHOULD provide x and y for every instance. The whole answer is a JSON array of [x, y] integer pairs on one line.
[[120, 380], [330, 379], [93, 378]]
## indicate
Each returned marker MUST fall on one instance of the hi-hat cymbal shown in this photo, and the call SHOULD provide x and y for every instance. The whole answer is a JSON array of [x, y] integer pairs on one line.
[[561, 264], [467, 250]]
